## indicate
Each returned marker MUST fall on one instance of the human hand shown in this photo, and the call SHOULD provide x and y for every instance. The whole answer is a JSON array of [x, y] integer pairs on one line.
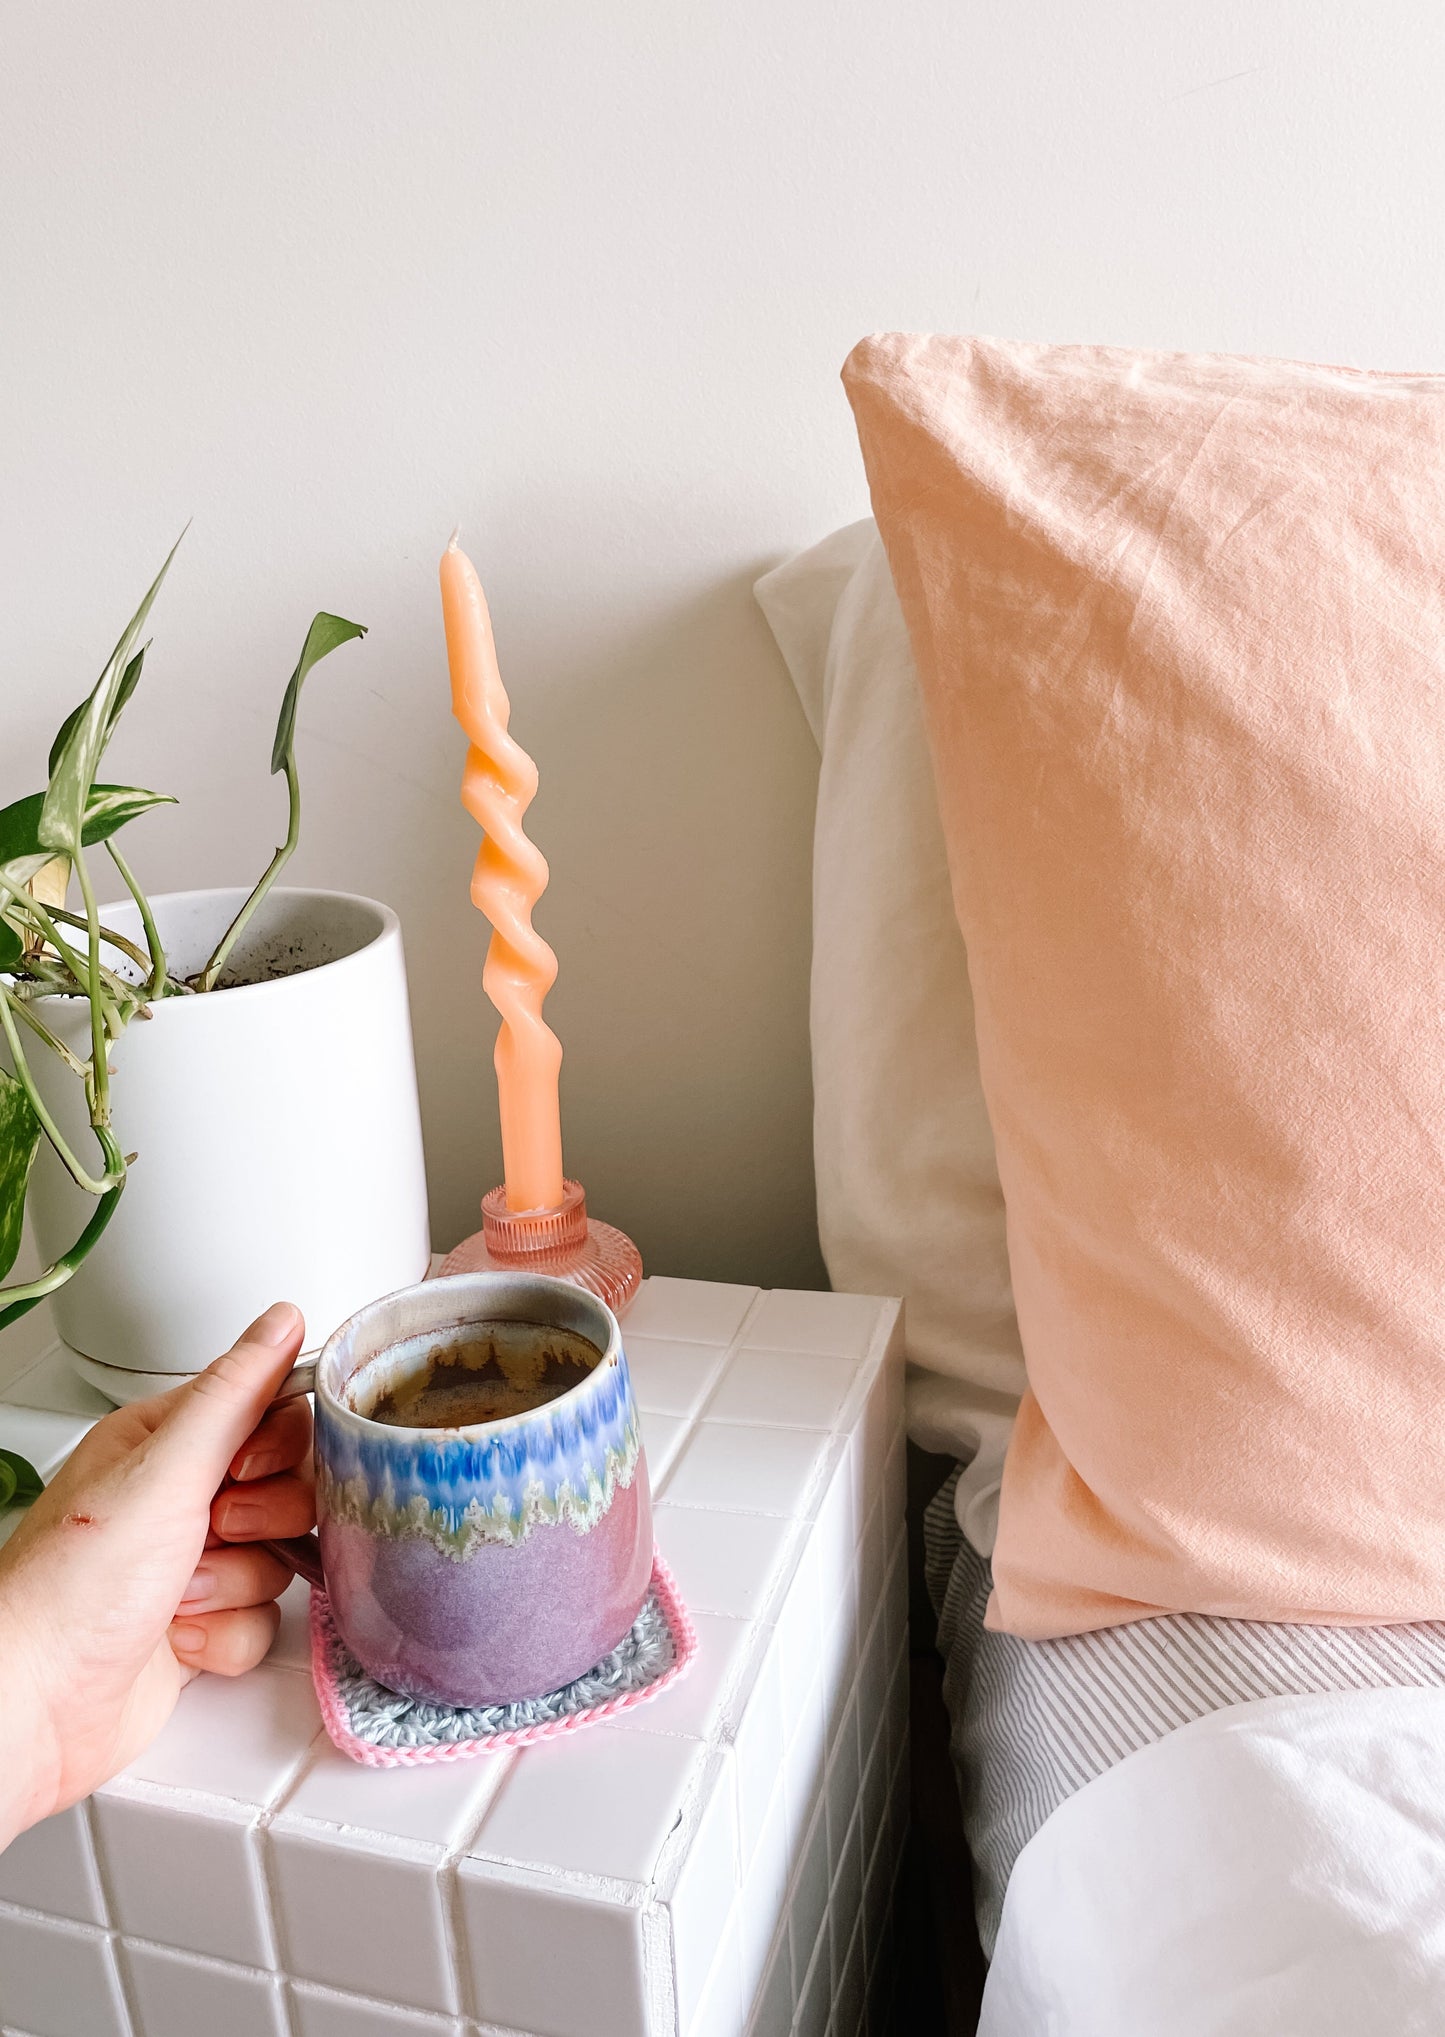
[[136, 1568]]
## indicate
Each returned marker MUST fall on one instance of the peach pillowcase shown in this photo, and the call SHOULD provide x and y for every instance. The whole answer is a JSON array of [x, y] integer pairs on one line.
[[1178, 622]]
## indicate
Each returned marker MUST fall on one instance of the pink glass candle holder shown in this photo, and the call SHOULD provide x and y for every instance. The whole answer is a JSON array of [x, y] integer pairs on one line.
[[563, 1242]]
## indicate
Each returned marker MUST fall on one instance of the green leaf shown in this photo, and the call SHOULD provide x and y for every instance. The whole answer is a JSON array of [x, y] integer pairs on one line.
[[127, 687], [19, 1138], [20, 1482], [326, 634], [63, 813], [11, 947], [107, 808]]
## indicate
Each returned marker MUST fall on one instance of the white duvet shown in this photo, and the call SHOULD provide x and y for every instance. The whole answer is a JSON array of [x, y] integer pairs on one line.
[[1277, 1868]]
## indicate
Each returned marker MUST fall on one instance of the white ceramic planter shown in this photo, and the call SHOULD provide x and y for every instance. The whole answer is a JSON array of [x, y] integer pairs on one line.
[[277, 1136]]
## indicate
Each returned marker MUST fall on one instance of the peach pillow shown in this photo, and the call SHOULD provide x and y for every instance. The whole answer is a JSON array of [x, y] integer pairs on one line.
[[1178, 623]]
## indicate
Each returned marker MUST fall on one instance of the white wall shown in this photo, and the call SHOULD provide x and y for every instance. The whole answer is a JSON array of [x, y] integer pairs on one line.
[[331, 275]]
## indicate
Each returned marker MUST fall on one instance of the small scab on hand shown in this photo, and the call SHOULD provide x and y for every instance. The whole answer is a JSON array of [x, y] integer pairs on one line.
[[78, 1520]]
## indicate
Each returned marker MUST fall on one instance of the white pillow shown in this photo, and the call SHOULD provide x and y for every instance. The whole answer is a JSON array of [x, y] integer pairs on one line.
[[908, 1192]]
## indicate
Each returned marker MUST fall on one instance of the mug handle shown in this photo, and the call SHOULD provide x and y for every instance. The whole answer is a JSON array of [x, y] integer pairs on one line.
[[301, 1553]]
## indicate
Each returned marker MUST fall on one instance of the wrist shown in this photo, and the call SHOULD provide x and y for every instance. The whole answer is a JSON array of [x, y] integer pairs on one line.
[[30, 1765]]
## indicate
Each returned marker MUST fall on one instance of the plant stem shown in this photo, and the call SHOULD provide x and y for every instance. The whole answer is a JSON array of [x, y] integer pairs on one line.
[[99, 1035], [109, 938], [31, 908], [207, 978], [147, 920], [47, 1123], [19, 1300], [21, 1007]]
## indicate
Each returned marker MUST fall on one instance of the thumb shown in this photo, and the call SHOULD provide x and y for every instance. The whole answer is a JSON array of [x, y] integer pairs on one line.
[[211, 1417]]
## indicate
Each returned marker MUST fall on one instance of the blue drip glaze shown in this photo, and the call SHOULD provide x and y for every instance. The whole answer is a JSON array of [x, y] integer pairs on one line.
[[566, 1446]]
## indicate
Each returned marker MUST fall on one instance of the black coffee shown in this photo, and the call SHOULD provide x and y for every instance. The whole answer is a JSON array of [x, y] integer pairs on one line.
[[483, 1373]]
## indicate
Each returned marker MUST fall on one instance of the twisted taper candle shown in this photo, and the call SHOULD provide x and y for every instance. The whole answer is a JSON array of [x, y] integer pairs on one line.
[[498, 785]]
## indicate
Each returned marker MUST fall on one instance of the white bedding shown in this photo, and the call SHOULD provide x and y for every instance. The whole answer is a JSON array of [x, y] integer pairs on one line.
[[1273, 1870]]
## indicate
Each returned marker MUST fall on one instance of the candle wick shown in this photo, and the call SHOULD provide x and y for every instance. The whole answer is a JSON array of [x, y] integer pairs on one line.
[[452, 540]]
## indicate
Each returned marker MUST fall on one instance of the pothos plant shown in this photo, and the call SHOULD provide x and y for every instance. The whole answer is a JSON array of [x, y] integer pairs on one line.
[[48, 951]]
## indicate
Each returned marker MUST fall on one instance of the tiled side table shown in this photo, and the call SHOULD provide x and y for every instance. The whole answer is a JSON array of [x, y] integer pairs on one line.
[[717, 1863]]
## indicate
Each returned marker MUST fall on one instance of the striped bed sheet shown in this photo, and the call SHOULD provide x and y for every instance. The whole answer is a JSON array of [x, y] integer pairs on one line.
[[1031, 1722]]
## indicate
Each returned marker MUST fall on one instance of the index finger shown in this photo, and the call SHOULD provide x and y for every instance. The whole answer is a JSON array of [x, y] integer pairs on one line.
[[280, 1440]]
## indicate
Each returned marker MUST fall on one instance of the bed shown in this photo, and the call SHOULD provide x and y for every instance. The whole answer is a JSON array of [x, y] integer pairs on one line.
[[1179, 1820]]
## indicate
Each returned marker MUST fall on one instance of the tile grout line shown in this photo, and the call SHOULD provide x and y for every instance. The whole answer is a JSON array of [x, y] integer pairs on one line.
[[450, 1896]]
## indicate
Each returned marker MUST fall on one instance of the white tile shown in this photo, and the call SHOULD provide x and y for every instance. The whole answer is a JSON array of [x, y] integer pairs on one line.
[[846, 1902], [895, 1728], [721, 2010], [693, 1706], [845, 1775], [60, 1979], [188, 1877], [809, 1910], [764, 1905], [873, 1800], [668, 1377], [724, 1563], [437, 1805], [831, 1325], [800, 1629], [182, 1997], [662, 1437], [786, 1387], [898, 1814], [835, 1539], [838, 1663], [291, 1648], [748, 1470], [895, 1491], [53, 1382], [706, 1890], [759, 1747], [858, 1473], [546, 1960], [895, 1605], [872, 1563], [362, 1918], [46, 1438], [848, 1990], [51, 1867], [598, 1802], [873, 1683], [815, 1995], [322, 2012], [876, 1436], [241, 1736], [772, 2012], [877, 1901], [697, 1311], [806, 1764]]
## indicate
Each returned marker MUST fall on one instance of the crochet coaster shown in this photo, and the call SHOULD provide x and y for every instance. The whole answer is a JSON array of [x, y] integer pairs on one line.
[[381, 1729]]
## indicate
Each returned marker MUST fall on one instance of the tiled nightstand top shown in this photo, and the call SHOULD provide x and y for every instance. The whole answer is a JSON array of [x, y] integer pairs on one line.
[[581, 1888]]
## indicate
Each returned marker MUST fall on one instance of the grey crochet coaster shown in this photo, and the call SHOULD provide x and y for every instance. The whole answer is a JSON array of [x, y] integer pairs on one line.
[[381, 1729]]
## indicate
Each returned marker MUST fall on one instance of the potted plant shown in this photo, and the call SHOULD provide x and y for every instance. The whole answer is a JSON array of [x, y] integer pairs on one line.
[[207, 1099]]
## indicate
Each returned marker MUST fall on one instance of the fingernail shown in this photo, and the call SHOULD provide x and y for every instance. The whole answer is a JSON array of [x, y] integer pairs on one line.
[[276, 1325], [201, 1585], [242, 1515], [188, 1637]]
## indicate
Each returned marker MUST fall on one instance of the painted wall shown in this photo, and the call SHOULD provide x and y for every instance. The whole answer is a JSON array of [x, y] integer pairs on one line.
[[331, 276]]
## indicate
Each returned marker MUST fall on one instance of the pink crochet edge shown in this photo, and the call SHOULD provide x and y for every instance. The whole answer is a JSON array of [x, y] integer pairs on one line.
[[333, 1712]]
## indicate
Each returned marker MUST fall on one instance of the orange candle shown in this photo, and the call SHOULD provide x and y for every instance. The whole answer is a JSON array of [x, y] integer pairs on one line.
[[498, 785]]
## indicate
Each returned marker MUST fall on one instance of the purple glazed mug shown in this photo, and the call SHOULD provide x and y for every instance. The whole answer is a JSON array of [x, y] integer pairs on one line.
[[478, 1565]]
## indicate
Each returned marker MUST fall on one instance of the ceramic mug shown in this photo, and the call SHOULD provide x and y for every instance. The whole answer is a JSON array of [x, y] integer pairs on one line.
[[478, 1565]]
